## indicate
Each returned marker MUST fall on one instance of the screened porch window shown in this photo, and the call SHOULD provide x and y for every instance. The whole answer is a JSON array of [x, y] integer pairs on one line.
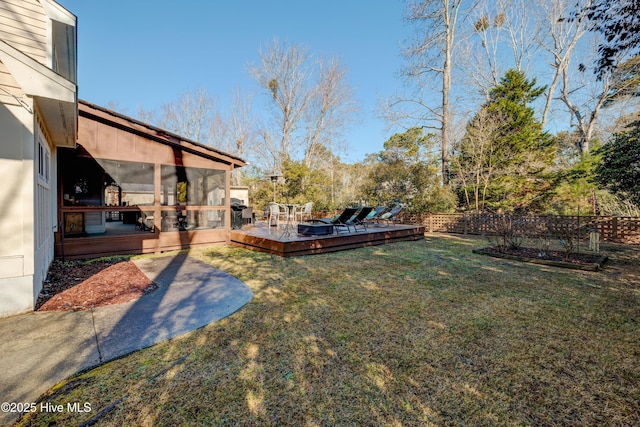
[[127, 183], [100, 182], [182, 186]]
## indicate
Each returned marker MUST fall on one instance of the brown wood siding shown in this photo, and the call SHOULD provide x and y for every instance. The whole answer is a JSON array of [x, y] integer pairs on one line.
[[106, 142], [108, 136], [23, 25], [151, 133]]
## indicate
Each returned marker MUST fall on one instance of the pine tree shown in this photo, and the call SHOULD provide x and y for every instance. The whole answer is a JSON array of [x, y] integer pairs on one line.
[[515, 160]]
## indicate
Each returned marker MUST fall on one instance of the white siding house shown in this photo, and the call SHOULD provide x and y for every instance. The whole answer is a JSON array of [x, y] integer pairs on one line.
[[38, 114]]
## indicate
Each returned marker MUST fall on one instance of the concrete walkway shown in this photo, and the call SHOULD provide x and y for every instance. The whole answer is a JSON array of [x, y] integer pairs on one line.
[[38, 350]]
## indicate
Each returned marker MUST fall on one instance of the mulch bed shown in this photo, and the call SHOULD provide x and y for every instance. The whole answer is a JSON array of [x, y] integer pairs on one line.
[[80, 285], [579, 261]]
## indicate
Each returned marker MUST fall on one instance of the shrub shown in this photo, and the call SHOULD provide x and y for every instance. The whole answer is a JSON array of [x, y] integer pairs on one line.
[[508, 232]]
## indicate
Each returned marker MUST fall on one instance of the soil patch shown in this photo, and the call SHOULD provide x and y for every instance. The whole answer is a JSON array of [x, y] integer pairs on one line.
[[80, 285]]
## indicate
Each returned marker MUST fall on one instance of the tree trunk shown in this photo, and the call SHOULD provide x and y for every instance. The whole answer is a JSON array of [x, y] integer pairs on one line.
[[446, 87]]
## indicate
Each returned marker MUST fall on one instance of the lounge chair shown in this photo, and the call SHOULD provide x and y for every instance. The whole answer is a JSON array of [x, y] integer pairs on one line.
[[391, 216], [359, 219], [375, 214], [342, 220]]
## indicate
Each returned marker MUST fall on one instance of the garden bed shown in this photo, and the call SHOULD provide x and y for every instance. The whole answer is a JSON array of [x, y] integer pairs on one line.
[[578, 261], [80, 285]]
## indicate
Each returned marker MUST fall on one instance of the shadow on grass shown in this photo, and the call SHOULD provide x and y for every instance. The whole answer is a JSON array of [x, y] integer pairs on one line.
[[380, 336]]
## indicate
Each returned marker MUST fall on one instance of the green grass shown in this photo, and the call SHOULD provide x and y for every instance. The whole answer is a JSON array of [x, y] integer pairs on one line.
[[414, 333]]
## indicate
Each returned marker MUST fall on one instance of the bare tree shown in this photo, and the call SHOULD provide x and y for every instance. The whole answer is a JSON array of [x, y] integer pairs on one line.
[[561, 39], [191, 116], [484, 64], [581, 92], [475, 160], [504, 37], [311, 101], [522, 27], [587, 112], [235, 131], [268, 155], [284, 73], [430, 56], [330, 109]]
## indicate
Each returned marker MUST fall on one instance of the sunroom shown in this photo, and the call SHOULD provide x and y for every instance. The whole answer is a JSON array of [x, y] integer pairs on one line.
[[128, 187]]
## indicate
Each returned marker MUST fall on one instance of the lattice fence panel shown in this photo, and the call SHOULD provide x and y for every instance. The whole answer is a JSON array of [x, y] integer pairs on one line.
[[616, 229], [613, 229]]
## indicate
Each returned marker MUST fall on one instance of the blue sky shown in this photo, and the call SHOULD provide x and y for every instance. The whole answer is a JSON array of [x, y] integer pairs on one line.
[[147, 53]]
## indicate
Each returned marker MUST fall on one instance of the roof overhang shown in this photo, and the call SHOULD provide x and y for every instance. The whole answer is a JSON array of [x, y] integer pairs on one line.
[[128, 124], [58, 13], [55, 96]]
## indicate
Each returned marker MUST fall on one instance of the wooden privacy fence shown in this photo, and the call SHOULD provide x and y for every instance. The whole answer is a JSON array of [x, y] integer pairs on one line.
[[611, 228]]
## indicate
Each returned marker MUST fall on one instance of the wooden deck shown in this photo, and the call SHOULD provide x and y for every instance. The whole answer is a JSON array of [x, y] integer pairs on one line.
[[263, 238]]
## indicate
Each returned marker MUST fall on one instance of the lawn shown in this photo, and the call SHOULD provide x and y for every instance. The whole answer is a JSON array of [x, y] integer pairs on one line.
[[412, 333]]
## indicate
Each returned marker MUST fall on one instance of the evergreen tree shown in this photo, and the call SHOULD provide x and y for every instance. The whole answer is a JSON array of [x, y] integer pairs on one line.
[[515, 162], [620, 167]]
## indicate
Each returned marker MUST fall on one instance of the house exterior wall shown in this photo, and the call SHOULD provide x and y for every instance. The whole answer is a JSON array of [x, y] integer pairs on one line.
[[103, 141], [29, 107], [240, 193], [23, 25], [9, 88], [17, 200], [44, 207]]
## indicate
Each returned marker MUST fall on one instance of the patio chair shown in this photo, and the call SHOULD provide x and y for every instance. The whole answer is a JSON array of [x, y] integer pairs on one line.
[[248, 217], [304, 212], [275, 212], [391, 216], [344, 219]]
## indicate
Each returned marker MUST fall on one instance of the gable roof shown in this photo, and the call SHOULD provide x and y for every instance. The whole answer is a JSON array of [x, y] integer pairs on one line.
[[128, 124]]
